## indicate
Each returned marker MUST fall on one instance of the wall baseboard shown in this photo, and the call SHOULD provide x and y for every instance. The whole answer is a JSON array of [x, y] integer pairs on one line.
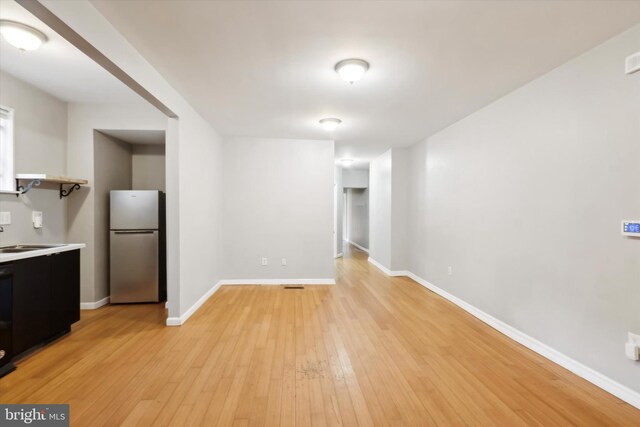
[[362, 248], [596, 378], [174, 321], [178, 321], [386, 270], [94, 305], [338, 255], [621, 391], [278, 282]]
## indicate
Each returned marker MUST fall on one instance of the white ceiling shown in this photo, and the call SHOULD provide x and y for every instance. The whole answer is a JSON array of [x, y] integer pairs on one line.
[[58, 68], [265, 68], [136, 136]]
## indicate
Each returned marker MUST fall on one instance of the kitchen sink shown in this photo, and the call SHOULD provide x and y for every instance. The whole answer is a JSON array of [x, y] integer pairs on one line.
[[41, 246], [16, 250], [26, 248]]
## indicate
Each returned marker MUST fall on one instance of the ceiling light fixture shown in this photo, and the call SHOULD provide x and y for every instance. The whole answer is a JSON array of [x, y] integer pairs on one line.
[[346, 162], [330, 124], [21, 36], [352, 70]]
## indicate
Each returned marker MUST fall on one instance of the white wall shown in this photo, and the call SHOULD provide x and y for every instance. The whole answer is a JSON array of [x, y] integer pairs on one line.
[[388, 198], [524, 200], [278, 203], [40, 137], [359, 216], [82, 122], [355, 178], [112, 171], [380, 209], [201, 201], [148, 167], [399, 202], [338, 220]]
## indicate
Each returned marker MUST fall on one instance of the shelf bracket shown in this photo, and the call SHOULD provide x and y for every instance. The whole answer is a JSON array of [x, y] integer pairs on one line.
[[23, 190], [65, 193]]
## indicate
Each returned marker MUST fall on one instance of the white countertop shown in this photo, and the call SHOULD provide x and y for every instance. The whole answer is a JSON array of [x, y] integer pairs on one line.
[[40, 252]]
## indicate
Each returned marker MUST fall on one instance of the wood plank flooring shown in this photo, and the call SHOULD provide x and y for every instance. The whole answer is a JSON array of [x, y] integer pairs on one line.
[[372, 350]]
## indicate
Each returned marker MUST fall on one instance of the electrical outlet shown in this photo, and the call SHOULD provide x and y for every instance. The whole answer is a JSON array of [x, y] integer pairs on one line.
[[265, 261], [284, 261], [450, 271], [5, 218]]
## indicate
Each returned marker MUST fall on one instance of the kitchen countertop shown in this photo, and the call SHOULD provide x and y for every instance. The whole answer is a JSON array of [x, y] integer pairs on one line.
[[40, 252]]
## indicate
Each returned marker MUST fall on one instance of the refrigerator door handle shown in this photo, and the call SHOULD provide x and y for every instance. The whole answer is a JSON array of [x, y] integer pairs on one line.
[[135, 232]]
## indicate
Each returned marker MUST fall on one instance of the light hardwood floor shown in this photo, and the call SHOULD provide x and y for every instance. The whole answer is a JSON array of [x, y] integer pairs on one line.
[[372, 350]]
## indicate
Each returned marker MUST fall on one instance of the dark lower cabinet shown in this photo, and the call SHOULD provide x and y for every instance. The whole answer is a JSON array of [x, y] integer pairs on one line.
[[65, 291], [6, 318], [46, 298], [31, 296]]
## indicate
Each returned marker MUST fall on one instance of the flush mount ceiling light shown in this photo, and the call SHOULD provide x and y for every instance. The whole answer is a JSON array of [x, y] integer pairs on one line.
[[21, 36], [330, 124], [352, 70], [346, 162]]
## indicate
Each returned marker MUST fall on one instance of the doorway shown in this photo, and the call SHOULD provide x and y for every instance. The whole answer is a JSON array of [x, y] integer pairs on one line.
[[124, 160], [355, 215]]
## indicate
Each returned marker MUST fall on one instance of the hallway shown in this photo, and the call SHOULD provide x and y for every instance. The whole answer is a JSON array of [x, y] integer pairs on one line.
[[373, 350]]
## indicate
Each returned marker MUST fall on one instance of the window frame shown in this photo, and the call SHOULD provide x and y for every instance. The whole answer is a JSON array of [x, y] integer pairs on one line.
[[7, 149]]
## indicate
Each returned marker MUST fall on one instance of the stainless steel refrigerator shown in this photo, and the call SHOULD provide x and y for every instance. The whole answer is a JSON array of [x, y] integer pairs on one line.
[[137, 246]]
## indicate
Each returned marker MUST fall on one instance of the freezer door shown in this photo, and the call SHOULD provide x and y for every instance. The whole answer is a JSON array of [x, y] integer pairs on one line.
[[134, 210], [134, 266]]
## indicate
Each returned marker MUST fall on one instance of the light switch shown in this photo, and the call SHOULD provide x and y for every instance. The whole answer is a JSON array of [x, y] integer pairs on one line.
[[5, 218], [632, 351], [36, 217]]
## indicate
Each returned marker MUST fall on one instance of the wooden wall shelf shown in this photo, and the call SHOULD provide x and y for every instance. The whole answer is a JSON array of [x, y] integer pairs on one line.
[[37, 178]]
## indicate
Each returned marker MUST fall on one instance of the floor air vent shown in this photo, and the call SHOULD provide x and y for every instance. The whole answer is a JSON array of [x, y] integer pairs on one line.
[[293, 287]]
